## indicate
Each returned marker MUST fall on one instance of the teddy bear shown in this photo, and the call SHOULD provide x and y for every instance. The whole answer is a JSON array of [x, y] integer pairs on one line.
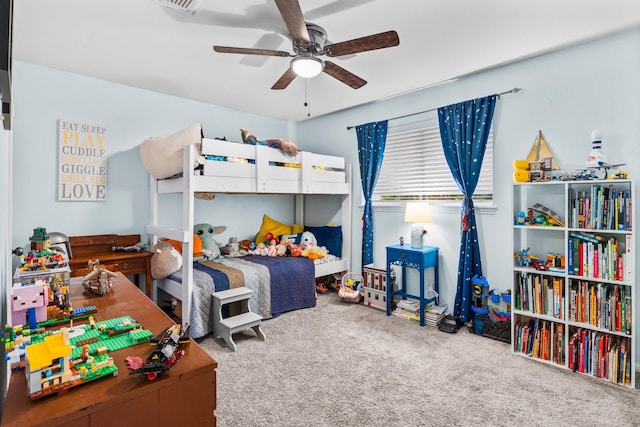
[[210, 247]]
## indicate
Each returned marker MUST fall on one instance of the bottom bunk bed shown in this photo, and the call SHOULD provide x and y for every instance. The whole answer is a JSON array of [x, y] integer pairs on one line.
[[264, 170], [279, 284]]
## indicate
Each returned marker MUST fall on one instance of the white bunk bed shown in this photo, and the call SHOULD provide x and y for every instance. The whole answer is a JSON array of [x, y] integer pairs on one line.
[[232, 167]]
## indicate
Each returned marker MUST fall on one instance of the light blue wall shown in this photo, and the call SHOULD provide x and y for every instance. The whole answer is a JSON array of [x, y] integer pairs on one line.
[[565, 94], [42, 96]]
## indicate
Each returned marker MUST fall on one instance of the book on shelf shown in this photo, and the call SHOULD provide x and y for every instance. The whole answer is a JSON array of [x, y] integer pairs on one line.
[[601, 208], [628, 259]]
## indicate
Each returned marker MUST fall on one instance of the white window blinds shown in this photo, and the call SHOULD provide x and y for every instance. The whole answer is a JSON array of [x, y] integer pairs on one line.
[[414, 166]]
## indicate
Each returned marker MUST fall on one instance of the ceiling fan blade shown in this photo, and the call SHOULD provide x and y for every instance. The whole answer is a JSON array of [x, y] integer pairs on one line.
[[284, 80], [363, 44], [249, 51], [292, 16], [343, 75]]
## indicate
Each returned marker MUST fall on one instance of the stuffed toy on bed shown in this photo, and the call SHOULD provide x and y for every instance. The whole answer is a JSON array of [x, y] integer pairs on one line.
[[310, 248], [210, 247], [165, 260], [284, 145]]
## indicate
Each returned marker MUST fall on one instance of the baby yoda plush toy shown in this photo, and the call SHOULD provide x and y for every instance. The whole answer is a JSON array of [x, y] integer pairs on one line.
[[210, 246]]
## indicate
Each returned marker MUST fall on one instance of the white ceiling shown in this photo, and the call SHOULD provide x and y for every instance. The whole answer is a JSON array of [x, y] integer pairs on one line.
[[144, 44]]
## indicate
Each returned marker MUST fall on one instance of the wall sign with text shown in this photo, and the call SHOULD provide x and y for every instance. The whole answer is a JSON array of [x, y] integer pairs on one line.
[[82, 161]]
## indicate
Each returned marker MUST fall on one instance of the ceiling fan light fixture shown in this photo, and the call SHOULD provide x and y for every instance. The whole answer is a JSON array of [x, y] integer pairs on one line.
[[307, 66]]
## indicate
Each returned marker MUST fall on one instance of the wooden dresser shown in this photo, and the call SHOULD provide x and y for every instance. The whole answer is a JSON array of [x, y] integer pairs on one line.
[[184, 396], [85, 248]]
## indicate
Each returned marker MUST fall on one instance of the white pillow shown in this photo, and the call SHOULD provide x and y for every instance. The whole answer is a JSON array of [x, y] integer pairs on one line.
[[162, 155]]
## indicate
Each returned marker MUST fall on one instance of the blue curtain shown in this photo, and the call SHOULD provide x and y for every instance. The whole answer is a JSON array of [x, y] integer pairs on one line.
[[372, 138], [464, 130]]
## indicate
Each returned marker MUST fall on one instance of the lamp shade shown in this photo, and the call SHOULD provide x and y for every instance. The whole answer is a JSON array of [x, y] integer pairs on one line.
[[417, 212], [307, 66]]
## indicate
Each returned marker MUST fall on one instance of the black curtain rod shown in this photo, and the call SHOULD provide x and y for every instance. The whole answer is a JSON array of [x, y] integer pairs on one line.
[[514, 90]]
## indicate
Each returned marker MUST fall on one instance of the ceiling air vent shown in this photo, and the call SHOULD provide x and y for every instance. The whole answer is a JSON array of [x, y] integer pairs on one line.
[[187, 6]]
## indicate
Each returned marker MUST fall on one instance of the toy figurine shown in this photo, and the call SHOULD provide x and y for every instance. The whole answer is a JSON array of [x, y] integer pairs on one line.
[[521, 218], [401, 241]]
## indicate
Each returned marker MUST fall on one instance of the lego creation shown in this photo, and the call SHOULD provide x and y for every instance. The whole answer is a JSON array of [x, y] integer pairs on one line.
[[57, 361], [99, 280], [170, 347]]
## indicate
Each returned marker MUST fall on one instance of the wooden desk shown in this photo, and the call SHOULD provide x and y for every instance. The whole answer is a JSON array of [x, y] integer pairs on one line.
[[85, 248], [184, 396]]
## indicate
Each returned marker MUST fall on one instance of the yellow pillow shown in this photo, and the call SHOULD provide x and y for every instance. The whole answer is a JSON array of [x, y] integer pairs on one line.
[[277, 228]]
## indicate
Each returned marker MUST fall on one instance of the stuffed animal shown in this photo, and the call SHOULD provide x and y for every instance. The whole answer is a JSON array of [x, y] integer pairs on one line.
[[314, 252], [284, 145], [260, 249], [293, 249], [307, 240], [197, 245], [281, 248], [165, 260], [210, 247]]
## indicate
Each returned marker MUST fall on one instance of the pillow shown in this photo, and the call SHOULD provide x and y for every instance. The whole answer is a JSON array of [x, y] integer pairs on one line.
[[162, 155], [165, 260], [277, 228], [329, 237]]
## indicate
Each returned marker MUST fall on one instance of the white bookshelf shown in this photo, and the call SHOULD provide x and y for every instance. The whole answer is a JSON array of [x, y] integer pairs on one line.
[[581, 308]]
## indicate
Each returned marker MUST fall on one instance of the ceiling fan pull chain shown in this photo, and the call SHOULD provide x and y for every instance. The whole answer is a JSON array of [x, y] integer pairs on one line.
[[307, 95]]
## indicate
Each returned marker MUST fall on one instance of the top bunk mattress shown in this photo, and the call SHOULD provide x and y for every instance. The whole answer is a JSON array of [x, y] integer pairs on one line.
[[232, 167]]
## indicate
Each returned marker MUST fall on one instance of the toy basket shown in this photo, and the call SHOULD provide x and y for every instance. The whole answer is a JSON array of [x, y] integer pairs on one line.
[[351, 287]]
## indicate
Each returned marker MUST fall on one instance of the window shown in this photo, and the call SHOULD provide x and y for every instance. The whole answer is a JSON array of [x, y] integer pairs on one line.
[[414, 166]]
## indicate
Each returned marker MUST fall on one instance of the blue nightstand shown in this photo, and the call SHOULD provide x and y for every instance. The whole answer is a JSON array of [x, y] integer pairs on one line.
[[419, 259]]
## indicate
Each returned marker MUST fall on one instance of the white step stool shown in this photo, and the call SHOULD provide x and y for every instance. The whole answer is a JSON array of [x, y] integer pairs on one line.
[[226, 327]]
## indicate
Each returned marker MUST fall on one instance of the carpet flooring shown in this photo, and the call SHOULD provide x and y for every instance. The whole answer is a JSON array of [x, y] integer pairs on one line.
[[344, 364]]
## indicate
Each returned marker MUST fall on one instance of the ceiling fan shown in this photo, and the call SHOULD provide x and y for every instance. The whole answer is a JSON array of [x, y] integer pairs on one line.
[[309, 42]]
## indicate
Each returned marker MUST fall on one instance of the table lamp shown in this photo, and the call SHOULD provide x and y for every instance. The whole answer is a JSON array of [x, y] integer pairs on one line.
[[418, 213]]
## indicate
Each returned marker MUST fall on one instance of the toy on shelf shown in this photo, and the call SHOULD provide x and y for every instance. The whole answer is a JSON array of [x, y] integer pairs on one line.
[[525, 259], [170, 347], [520, 171], [549, 217], [99, 280], [540, 164], [554, 263]]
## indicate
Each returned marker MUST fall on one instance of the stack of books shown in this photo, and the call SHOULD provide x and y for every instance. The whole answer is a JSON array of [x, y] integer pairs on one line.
[[410, 309], [433, 314]]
